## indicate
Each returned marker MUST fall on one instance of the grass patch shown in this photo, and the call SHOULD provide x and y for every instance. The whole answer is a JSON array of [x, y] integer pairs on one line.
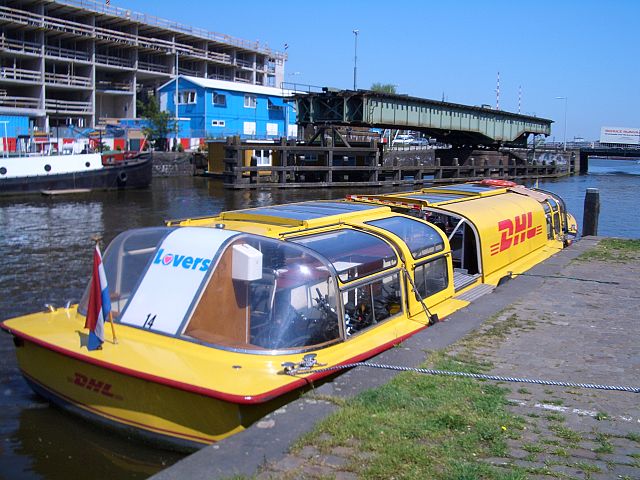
[[555, 417], [524, 391], [613, 250], [560, 452], [634, 437], [425, 426], [587, 467], [566, 433]]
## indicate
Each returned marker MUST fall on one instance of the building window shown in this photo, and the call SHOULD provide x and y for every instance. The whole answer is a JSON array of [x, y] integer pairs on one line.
[[250, 101], [218, 123], [273, 106], [249, 128], [187, 96], [219, 100], [272, 129]]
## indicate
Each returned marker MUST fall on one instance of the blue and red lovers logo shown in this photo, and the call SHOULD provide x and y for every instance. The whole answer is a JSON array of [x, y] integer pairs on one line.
[[187, 262]]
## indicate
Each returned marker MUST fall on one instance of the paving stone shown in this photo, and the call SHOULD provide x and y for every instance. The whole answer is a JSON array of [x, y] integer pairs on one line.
[[582, 453], [290, 462], [622, 471], [341, 475], [332, 460], [308, 451], [316, 470], [617, 458], [343, 451]]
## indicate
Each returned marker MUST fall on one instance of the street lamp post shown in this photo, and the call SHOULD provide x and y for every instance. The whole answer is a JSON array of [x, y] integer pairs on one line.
[[176, 102], [355, 59], [564, 147]]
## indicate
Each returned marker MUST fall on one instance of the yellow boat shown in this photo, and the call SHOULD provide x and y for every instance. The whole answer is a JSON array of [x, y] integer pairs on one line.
[[208, 310]]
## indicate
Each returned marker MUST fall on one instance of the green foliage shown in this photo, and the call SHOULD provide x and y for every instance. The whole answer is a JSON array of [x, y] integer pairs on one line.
[[613, 250], [425, 426], [160, 125], [383, 87]]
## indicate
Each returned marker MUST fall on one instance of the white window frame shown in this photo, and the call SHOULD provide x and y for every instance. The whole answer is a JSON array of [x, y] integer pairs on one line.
[[249, 128], [218, 123], [187, 97], [213, 99], [250, 101]]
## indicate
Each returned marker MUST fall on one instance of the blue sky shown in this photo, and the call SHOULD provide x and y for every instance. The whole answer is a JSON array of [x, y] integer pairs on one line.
[[586, 51]]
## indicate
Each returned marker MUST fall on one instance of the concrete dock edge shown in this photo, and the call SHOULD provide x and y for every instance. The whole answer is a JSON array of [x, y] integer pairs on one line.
[[270, 439]]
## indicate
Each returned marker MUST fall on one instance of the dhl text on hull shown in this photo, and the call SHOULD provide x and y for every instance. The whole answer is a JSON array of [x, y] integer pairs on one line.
[[208, 310]]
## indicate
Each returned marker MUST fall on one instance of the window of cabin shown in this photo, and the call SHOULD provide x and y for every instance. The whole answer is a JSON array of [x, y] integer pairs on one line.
[[421, 239], [431, 277], [371, 303], [125, 261], [218, 123], [354, 254], [219, 99], [290, 303], [250, 101]]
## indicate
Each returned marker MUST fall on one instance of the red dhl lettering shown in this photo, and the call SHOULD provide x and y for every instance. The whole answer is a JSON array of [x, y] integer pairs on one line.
[[515, 231], [92, 384]]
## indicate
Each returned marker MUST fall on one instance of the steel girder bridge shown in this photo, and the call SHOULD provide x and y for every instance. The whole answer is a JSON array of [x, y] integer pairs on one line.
[[451, 123]]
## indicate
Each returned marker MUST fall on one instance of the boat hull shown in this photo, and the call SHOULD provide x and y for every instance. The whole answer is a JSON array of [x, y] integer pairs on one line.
[[156, 413], [135, 173]]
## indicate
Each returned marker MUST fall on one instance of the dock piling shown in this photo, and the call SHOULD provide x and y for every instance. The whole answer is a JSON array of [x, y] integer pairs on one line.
[[591, 212]]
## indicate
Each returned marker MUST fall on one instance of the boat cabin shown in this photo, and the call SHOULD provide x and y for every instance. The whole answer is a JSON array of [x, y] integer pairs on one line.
[[492, 229], [327, 272]]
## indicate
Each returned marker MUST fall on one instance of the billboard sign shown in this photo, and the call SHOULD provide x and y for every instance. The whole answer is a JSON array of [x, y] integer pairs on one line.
[[620, 135]]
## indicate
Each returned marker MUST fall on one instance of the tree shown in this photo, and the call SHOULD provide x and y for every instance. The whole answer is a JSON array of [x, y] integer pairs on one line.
[[383, 88], [159, 124]]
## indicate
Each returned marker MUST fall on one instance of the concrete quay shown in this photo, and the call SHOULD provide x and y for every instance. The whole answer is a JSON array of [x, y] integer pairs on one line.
[[563, 321]]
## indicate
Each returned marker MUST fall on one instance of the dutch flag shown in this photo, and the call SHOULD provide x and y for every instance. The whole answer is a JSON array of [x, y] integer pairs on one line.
[[99, 303]]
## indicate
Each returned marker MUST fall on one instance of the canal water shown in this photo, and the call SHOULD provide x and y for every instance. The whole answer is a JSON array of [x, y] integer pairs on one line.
[[46, 257]]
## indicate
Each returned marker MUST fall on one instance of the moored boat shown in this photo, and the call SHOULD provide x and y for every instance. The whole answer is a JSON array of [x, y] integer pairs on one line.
[[208, 310], [75, 171]]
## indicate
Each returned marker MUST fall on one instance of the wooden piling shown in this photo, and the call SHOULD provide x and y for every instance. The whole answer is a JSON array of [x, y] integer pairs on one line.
[[591, 212]]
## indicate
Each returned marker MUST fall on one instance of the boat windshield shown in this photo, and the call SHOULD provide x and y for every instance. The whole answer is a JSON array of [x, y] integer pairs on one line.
[[265, 294], [125, 261], [421, 239], [354, 254]]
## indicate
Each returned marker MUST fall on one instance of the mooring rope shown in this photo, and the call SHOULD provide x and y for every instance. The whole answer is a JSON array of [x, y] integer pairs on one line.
[[512, 275], [479, 376]]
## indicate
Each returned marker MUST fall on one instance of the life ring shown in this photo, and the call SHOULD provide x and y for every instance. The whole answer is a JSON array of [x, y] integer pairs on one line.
[[122, 178], [494, 182]]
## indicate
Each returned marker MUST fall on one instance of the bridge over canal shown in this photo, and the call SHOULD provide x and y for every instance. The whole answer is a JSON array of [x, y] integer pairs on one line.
[[451, 123], [615, 152]]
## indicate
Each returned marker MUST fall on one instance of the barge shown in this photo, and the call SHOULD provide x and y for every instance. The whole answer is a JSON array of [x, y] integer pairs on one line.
[[210, 312]]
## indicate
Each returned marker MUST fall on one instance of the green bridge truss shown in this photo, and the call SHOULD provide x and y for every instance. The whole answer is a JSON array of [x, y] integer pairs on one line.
[[448, 122]]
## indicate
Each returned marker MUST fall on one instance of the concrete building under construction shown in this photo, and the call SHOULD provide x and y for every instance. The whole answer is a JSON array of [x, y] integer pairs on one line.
[[80, 62]]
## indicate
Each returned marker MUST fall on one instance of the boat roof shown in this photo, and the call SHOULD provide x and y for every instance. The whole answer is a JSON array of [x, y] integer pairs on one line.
[[433, 196], [301, 214]]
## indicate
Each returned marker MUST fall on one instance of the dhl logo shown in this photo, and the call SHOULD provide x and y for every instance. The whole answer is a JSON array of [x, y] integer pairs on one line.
[[515, 231], [93, 384]]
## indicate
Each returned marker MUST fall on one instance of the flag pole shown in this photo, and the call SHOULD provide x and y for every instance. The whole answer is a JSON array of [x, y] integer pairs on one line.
[[96, 238]]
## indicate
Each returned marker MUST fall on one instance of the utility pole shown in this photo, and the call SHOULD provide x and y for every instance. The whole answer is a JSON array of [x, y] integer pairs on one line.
[[355, 60]]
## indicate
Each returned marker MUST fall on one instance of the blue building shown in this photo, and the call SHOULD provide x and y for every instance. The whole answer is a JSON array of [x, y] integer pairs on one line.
[[210, 108]]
